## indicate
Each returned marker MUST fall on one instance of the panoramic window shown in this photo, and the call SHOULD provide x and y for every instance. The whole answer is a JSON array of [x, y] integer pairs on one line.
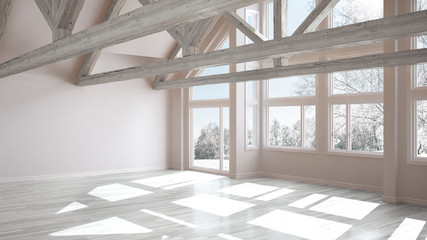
[[209, 109], [354, 11], [291, 113], [357, 122]]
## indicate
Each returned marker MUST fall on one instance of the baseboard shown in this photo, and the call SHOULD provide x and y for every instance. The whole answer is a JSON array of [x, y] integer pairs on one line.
[[321, 181], [388, 199], [176, 167], [414, 201], [82, 174], [244, 175]]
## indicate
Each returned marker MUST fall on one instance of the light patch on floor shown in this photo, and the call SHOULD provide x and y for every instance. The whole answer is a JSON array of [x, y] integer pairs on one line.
[[273, 195], [174, 178], [307, 201], [301, 226], [345, 207], [248, 190], [72, 207], [229, 237], [409, 229], [204, 179], [109, 226], [215, 205], [116, 192], [175, 220]]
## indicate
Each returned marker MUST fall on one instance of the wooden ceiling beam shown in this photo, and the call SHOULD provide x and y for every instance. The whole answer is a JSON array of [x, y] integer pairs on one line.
[[380, 30], [92, 57], [244, 27], [280, 25], [45, 7], [66, 17], [5, 6], [379, 60], [177, 52], [144, 21]]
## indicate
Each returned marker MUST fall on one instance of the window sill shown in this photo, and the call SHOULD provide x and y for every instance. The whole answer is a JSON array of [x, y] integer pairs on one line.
[[418, 161], [291, 150], [377, 155]]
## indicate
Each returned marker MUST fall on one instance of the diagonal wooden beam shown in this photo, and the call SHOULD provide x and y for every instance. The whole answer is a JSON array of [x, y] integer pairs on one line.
[[244, 27], [5, 6], [201, 35], [65, 17], [176, 52], [45, 7], [380, 30], [316, 16], [379, 60], [144, 21], [92, 57]]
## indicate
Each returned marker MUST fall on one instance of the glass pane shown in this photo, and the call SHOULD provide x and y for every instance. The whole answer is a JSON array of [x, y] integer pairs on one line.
[[270, 20], [339, 126], [422, 75], [358, 81], [206, 137], [285, 126], [298, 10], [310, 127], [421, 5], [226, 137], [250, 131], [250, 90], [422, 68], [292, 86], [421, 128], [353, 11], [217, 91], [367, 127]]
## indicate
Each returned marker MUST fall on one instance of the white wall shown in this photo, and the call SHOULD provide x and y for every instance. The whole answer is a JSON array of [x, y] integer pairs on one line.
[[49, 126]]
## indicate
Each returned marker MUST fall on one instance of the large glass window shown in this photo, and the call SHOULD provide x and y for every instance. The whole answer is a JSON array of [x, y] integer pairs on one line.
[[357, 111], [421, 42], [209, 109], [291, 112], [353, 11]]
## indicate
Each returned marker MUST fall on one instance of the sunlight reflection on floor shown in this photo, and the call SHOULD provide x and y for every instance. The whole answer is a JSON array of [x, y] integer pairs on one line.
[[301, 225], [345, 207]]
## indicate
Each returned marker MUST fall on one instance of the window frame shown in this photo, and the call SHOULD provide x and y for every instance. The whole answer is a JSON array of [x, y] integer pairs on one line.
[[297, 101], [347, 100]]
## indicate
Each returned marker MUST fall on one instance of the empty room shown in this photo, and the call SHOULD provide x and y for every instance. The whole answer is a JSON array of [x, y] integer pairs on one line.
[[213, 119]]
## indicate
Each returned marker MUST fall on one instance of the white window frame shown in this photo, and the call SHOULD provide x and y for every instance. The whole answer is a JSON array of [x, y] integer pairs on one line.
[[299, 101], [208, 103], [349, 99], [254, 102]]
